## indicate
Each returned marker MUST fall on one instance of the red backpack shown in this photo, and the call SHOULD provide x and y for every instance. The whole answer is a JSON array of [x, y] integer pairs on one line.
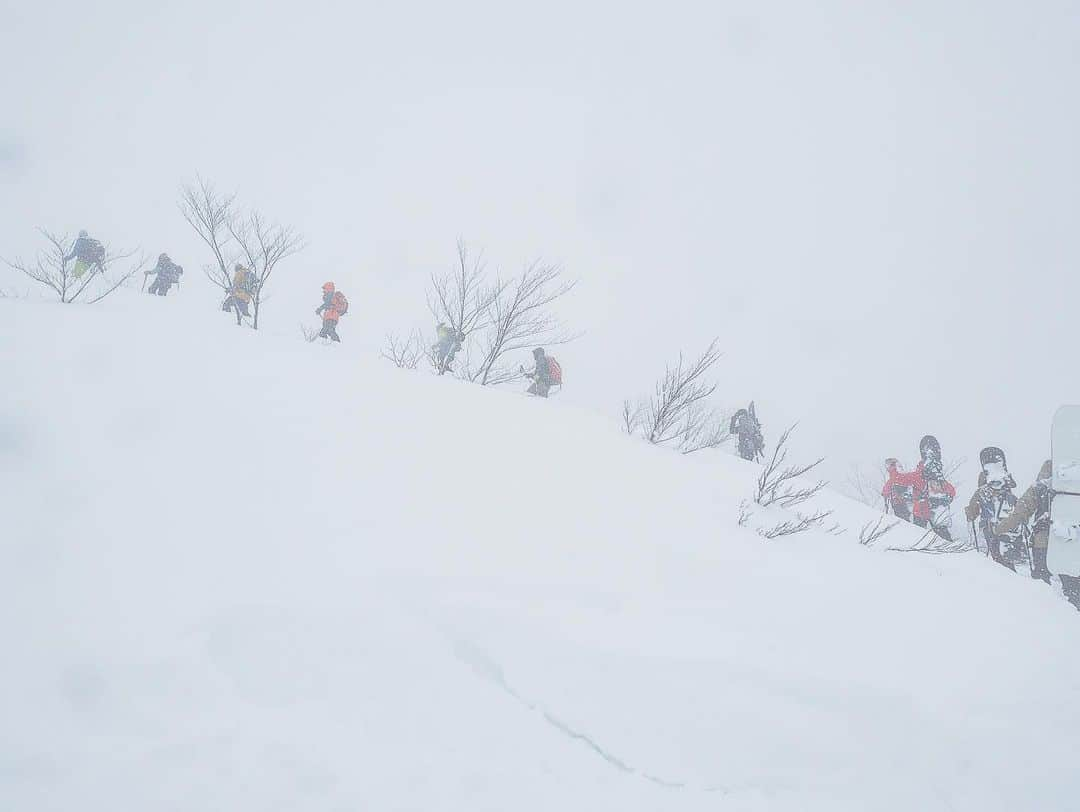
[[554, 371], [340, 303]]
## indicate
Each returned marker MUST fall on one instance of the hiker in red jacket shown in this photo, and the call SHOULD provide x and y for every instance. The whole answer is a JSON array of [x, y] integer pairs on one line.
[[932, 495], [897, 495]]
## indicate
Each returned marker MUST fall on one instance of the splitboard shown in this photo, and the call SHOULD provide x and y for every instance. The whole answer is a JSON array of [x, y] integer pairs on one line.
[[1063, 553]]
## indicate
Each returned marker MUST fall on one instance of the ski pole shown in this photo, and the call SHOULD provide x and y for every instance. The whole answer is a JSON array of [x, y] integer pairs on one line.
[[1028, 543]]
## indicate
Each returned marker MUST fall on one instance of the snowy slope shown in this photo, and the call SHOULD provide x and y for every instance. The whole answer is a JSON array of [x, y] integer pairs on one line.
[[244, 572]]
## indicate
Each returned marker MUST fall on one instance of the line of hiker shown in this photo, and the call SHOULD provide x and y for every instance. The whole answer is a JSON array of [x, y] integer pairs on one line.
[[1013, 532]]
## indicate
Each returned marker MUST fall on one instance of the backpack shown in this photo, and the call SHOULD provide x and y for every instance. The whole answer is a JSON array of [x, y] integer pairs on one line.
[[95, 251], [249, 281], [340, 303], [554, 371]]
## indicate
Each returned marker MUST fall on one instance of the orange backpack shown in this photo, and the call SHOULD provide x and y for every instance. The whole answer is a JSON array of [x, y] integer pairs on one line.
[[340, 303], [554, 371]]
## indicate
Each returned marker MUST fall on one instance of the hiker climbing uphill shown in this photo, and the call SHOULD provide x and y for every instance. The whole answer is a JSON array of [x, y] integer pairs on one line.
[[545, 373], [243, 286], [166, 274], [746, 426], [448, 342], [333, 307], [932, 493], [89, 255], [991, 503]]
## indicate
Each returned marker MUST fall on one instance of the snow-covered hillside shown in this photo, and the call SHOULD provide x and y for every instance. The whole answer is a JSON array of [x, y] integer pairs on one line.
[[244, 572]]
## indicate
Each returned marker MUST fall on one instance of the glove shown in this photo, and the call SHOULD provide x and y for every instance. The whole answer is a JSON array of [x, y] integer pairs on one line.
[[972, 512], [318, 312]]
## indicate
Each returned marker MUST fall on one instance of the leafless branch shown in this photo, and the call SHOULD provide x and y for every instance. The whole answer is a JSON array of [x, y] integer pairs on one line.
[[209, 214], [872, 532], [518, 317], [461, 298], [678, 414], [777, 483], [792, 527], [933, 544], [233, 235], [52, 269], [744, 513], [263, 245], [405, 353]]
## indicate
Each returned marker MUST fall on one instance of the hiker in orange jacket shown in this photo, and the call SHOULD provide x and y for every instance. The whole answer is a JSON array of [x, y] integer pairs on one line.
[[334, 306]]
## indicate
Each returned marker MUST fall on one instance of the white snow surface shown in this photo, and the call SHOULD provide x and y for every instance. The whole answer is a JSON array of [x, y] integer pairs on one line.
[[244, 572]]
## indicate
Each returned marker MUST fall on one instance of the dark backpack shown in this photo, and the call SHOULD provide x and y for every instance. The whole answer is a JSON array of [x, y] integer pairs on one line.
[[93, 251]]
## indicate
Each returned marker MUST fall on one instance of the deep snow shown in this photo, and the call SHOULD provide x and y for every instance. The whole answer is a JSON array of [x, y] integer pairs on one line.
[[244, 572]]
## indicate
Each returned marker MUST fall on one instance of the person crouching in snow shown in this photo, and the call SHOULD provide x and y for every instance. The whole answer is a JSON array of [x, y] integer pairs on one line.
[[333, 307]]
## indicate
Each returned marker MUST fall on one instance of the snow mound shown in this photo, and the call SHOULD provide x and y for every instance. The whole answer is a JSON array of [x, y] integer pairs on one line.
[[245, 572]]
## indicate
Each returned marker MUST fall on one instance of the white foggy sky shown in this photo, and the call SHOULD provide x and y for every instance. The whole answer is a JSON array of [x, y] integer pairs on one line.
[[874, 205]]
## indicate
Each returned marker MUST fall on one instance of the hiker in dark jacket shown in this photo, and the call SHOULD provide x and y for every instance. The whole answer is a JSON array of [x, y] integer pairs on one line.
[[540, 375], [166, 274], [89, 255], [745, 426]]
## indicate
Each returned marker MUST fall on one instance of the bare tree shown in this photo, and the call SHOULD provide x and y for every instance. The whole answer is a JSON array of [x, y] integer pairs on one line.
[[209, 213], [679, 414], [233, 236], [263, 245], [405, 353], [461, 299], [518, 316], [777, 484], [872, 532], [53, 269]]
